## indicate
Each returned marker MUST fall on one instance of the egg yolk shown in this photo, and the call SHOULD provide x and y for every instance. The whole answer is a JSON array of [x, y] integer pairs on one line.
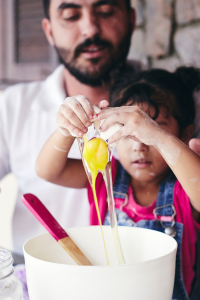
[[95, 154]]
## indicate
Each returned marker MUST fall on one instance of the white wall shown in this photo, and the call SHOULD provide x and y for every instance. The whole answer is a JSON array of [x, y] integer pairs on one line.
[[8, 186], [8, 194]]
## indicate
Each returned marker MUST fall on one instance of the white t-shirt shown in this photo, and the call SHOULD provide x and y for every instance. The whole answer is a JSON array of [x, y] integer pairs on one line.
[[27, 119]]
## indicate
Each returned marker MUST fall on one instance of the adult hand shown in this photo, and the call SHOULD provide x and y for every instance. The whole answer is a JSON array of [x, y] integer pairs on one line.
[[194, 144], [74, 116]]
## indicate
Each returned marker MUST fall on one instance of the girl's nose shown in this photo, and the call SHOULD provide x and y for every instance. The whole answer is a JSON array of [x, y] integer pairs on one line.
[[137, 146]]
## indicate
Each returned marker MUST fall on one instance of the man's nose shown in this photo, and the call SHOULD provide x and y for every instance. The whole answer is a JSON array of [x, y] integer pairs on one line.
[[89, 26], [140, 147]]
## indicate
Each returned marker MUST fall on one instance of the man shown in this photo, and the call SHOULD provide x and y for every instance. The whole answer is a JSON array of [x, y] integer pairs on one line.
[[92, 39]]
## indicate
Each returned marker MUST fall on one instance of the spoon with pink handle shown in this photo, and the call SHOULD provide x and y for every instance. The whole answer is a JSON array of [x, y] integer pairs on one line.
[[53, 227]]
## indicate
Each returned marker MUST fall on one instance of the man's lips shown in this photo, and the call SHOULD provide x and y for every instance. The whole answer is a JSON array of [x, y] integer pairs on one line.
[[141, 163], [93, 51]]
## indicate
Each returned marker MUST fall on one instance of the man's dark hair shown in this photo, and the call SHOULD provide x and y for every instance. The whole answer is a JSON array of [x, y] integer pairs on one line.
[[46, 4]]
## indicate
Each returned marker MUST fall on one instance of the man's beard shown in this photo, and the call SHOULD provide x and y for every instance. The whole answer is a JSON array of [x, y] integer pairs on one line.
[[102, 73]]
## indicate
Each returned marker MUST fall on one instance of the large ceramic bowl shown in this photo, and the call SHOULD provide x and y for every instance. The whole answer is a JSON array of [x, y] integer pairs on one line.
[[147, 275]]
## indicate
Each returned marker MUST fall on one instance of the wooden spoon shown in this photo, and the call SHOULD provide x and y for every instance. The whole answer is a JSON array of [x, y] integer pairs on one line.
[[53, 227]]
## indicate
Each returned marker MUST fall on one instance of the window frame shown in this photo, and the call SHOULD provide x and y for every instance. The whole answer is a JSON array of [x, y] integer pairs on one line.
[[10, 70]]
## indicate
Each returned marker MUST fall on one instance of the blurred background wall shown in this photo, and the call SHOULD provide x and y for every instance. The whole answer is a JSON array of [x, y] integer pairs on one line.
[[168, 33], [24, 52]]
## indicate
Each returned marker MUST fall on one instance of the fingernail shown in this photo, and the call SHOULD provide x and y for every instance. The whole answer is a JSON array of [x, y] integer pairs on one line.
[[88, 124], [85, 130], [92, 116], [80, 134], [95, 116], [100, 128]]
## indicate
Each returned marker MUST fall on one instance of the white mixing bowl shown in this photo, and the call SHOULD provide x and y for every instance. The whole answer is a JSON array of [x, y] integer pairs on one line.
[[148, 274]]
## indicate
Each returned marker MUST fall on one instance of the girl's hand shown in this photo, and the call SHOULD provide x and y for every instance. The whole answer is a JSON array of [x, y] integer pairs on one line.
[[137, 124], [74, 116], [194, 144]]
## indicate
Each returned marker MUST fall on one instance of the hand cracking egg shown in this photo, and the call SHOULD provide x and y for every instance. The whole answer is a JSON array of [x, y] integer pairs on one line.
[[106, 134]]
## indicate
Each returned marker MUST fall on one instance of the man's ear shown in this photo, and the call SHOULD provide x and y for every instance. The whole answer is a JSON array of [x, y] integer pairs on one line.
[[132, 17], [46, 25], [187, 134]]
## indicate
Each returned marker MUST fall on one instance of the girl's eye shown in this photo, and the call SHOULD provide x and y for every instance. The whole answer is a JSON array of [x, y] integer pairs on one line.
[[105, 11], [71, 14]]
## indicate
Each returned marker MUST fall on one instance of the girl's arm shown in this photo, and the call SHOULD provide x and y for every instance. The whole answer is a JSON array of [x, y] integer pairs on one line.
[[53, 164], [139, 126]]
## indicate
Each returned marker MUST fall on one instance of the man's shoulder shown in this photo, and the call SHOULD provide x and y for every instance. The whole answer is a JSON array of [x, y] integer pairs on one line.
[[21, 91], [26, 93], [16, 100]]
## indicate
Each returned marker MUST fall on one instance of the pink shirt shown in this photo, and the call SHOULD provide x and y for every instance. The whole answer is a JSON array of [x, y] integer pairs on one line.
[[137, 213]]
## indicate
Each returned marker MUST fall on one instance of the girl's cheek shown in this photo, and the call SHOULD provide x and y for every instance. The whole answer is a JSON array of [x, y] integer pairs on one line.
[[123, 153]]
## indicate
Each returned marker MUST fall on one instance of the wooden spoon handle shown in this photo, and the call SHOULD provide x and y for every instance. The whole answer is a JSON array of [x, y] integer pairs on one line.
[[74, 251], [53, 227]]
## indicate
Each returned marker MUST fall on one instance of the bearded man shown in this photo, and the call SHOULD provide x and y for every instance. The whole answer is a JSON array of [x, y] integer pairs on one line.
[[92, 39]]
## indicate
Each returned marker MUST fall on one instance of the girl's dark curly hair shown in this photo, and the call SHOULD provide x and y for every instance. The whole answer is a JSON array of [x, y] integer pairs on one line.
[[159, 88]]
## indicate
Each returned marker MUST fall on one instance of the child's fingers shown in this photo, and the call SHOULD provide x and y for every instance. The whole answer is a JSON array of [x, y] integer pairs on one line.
[[87, 106], [113, 119], [122, 133], [114, 110], [106, 113], [73, 110], [73, 126], [73, 129], [103, 104], [126, 131], [194, 144], [117, 136], [75, 115]]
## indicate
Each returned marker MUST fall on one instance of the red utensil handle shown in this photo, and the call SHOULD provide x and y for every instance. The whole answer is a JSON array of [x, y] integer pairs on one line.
[[44, 216]]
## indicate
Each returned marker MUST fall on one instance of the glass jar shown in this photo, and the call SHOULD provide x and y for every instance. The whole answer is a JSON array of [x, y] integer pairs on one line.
[[10, 286]]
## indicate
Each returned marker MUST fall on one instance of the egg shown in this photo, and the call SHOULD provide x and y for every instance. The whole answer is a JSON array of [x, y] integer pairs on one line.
[[95, 153]]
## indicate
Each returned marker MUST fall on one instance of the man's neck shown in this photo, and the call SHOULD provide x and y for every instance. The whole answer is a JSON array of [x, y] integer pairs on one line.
[[75, 87]]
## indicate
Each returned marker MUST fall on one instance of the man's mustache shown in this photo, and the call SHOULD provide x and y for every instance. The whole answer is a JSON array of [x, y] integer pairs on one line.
[[88, 42]]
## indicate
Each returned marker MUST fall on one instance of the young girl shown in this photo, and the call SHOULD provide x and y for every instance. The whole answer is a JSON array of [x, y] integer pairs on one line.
[[157, 111]]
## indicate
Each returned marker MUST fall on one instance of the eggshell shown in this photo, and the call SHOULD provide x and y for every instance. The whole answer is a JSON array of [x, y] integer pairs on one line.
[[109, 132]]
